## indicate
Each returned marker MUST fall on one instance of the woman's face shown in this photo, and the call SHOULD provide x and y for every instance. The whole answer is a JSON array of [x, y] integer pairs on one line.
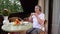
[[37, 9]]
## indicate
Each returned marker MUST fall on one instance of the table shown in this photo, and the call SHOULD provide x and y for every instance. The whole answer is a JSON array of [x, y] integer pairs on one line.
[[17, 28]]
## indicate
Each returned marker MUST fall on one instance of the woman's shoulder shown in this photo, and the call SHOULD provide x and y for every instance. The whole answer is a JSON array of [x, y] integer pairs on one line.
[[42, 14]]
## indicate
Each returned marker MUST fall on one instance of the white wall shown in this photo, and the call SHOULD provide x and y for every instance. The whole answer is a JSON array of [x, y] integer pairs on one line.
[[41, 3], [44, 4]]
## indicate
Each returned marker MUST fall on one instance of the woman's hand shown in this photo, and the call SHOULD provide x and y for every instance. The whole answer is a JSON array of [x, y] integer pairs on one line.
[[36, 14], [32, 14]]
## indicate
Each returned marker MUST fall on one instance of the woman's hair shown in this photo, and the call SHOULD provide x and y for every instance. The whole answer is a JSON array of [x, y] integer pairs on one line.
[[39, 7]]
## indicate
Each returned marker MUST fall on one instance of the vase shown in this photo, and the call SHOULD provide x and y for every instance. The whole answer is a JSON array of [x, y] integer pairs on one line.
[[5, 17], [6, 21]]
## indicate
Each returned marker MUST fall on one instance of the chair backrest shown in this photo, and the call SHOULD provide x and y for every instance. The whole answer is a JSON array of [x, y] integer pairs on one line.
[[46, 25], [45, 22]]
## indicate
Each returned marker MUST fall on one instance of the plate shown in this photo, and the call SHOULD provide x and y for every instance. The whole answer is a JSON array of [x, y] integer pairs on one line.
[[25, 22]]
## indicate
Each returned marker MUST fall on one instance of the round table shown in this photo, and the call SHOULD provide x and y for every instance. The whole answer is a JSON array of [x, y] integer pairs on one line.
[[16, 28]]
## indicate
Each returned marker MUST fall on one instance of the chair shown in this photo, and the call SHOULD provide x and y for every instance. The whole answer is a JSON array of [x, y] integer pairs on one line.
[[45, 26]]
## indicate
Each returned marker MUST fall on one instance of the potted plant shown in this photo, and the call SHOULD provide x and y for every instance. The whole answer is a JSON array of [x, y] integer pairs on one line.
[[5, 13]]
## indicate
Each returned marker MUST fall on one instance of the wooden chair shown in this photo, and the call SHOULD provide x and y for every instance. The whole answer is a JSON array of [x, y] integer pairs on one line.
[[45, 26]]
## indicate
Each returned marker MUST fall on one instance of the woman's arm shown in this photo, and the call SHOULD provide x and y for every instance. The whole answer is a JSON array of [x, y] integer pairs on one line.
[[41, 21], [30, 19]]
